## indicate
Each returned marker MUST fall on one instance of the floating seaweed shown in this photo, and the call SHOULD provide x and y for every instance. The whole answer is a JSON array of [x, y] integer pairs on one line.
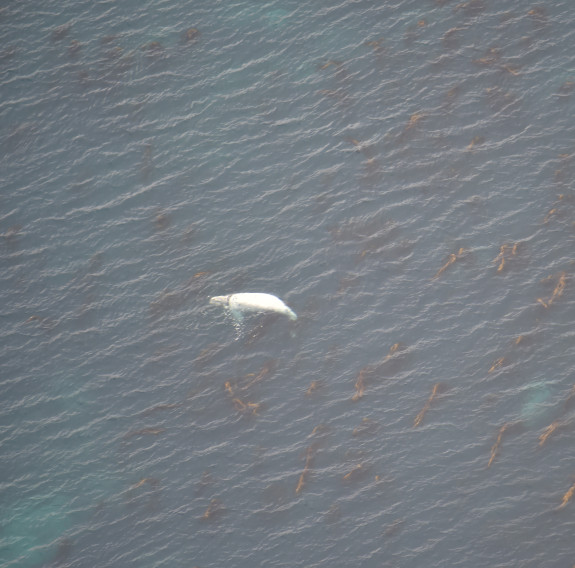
[[144, 432], [268, 368], [394, 528], [206, 481], [63, 551], [476, 141], [453, 257], [505, 251], [304, 474], [566, 89], [45, 323], [499, 99], [558, 211], [313, 387], [497, 364], [161, 220], [229, 388], [510, 69], [492, 57], [360, 383], [508, 426], [414, 120], [60, 32], [246, 407], [376, 45], [146, 480], [450, 38], [358, 473], [452, 94], [411, 32], [471, 8], [189, 36], [495, 447], [549, 430], [333, 514], [549, 215], [437, 388], [538, 16], [160, 407], [330, 63], [367, 427], [557, 292], [523, 340], [74, 48], [395, 348], [215, 509], [154, 50], [567, 497]]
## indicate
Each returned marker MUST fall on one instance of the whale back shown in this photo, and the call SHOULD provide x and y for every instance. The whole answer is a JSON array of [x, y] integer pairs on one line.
[[257, 302], [253, 302]]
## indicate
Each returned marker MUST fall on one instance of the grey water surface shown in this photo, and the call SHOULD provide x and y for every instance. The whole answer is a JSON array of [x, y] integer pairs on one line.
[[400, 173]]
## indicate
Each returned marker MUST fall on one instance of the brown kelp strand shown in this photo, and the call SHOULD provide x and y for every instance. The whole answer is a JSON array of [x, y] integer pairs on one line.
[[559, 211], [419, 418], [505, 252], [152, 481], [359, 472], [160, 408], [229, 388], [568, 496], [497, 364], [394, 527], [353, 473], [548, 431], [214, 510], [304, 474], [367, 427], [313, 387], [495, 449], [476, 141], [144, 432], [268, 368], [414, 119], [359, 385], [189, 36], [246, 407], [393, 350], [239, 404], [550, 214], [557, 292], [453, 257]]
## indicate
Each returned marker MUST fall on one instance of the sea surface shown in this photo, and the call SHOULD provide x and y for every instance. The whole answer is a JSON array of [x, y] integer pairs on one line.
[[400, 173]]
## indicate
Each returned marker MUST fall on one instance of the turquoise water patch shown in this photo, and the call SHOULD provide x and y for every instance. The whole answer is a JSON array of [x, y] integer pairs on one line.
[[277, 17], [537, 407], [30, 528]]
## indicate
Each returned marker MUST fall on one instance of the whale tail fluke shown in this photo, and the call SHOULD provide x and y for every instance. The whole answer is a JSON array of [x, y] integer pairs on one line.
[[291, 314]]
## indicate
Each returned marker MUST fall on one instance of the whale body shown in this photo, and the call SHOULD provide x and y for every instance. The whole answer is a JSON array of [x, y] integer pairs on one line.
[[252, 302]]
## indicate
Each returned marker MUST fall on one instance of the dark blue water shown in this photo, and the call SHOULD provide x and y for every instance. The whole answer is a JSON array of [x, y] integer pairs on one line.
[[400, 173]]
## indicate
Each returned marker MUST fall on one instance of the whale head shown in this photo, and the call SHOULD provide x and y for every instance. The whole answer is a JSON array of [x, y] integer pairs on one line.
[[220, 300]]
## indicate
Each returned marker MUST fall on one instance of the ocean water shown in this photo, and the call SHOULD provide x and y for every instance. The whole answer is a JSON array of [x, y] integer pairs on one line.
[[400, 173]]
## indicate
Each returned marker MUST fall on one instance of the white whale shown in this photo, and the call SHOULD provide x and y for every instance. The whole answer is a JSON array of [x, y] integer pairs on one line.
[[252, 302]]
